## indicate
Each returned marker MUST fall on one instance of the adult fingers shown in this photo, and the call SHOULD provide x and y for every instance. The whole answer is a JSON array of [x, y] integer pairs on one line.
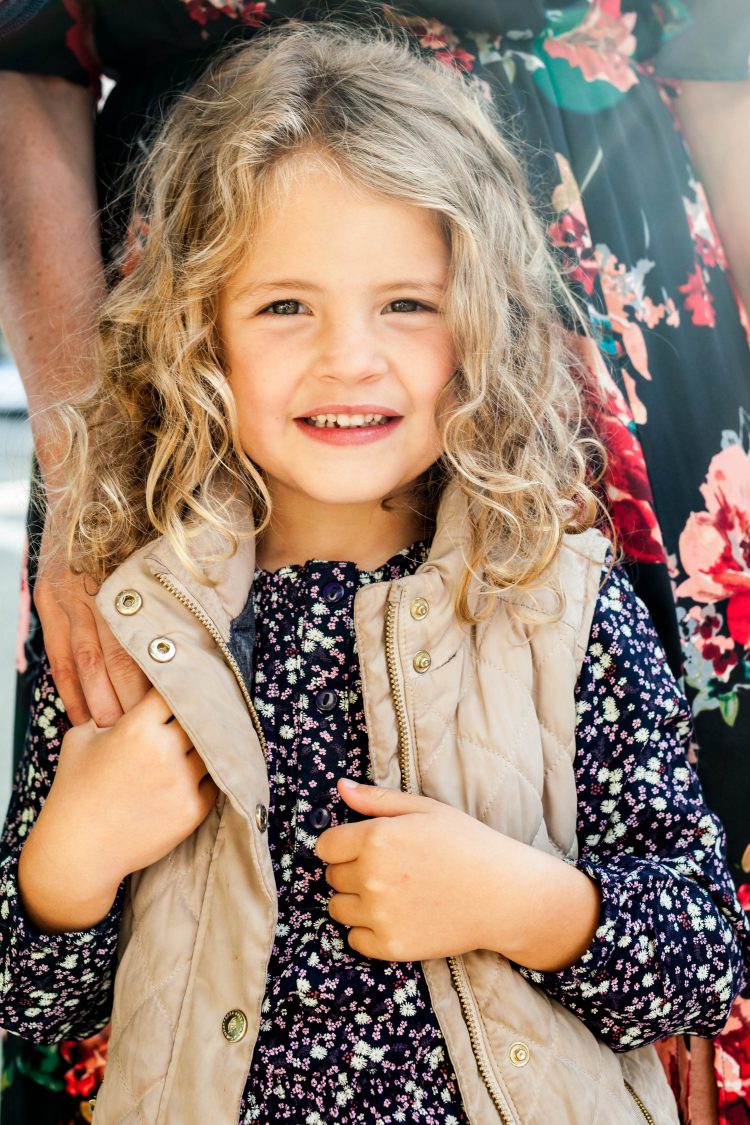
[[101, 697], [127, 679], [56, 630]]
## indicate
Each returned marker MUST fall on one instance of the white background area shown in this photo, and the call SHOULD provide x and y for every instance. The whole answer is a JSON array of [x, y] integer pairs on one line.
[[15, 465]]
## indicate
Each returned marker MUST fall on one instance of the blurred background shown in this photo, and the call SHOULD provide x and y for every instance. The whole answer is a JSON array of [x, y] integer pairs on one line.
[[15, 462]]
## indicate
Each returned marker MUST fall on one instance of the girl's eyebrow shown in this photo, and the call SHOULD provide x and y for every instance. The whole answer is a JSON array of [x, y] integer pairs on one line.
[[257, 288], [423, 285]]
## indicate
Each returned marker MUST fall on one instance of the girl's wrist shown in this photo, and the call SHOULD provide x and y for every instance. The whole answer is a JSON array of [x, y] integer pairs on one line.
[[546, 911], [58, 894]]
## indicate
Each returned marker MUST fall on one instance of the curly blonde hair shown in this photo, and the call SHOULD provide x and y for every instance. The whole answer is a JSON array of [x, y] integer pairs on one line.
[[160, 424]]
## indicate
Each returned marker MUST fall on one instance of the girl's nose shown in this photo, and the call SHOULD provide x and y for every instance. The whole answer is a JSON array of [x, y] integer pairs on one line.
[[351, 352]]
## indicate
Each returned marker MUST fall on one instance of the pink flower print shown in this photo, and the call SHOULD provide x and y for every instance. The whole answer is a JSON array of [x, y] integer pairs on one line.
[[251, 13], [600, 46], [703, 232], [698, 300], [715, 544], [457, 58]]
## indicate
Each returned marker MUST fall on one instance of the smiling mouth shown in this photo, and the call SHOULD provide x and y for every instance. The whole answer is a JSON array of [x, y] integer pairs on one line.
[[347, 421]]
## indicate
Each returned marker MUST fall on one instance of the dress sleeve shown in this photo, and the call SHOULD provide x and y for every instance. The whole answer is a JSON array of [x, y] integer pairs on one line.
[[52, 986], [702, 40], [49, 37], [670, 951]]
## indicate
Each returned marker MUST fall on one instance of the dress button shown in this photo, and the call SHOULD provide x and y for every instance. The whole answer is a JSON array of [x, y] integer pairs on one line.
[[326, 700], [261, 817], [419, 609], [128, 602], [332, 592], [234, 1025], [161, 650], [422, 661], [319, 818], [519, 1054]]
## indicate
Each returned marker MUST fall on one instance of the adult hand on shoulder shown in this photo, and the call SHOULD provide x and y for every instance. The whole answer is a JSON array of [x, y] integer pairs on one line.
[[95, 677], [415, 880]]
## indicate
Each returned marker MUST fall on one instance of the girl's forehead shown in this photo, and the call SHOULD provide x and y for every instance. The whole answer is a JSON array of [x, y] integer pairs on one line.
[[320, 216]]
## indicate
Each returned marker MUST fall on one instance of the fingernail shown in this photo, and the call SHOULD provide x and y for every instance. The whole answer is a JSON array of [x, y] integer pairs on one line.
[[347, 783]]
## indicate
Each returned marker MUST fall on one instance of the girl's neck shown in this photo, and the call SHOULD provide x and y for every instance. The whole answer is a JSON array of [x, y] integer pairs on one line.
[[366, 535]]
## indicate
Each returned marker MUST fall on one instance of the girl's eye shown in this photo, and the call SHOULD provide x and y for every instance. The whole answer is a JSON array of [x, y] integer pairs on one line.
[[406, 306], [284, 308]]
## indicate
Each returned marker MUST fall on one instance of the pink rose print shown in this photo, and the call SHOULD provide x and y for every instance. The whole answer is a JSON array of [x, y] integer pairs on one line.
[[715, 545], [600, 46], [698, 301], [204, 11]]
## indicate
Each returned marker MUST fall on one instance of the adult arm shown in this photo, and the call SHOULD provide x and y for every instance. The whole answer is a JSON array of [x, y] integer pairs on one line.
[[715, 119], [51, 283]]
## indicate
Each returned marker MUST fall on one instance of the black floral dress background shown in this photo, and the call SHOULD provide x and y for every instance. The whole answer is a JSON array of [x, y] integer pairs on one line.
[[587, 88]]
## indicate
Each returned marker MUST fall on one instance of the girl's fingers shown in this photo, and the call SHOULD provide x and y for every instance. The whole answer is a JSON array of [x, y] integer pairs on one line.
[[153, 708], [343, 877], [343, 842], [348, 910], [197, 765]]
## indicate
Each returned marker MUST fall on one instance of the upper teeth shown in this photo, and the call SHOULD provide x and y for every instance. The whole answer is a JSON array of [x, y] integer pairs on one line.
[[346, 419]]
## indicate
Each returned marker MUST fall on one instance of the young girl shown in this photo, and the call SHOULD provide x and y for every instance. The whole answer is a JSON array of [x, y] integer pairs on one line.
[[334, 492]]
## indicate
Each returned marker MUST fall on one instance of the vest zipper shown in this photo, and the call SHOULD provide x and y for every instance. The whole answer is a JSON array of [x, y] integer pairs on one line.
[[639, 1103], [455, 964], [223, 647]]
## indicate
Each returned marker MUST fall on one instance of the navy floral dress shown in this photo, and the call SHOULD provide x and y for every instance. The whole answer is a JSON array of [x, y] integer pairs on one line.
[[588, 87], [346, 1038]]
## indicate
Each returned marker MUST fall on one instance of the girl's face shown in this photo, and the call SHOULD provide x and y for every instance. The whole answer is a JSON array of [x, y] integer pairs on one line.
[[335, 317]]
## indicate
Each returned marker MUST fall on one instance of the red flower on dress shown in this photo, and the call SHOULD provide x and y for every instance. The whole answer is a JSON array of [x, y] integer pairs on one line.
[[626, 484], [89, 1058], [733, 1065], [204, 11], [715, 544], [698, 300], [456, 58]]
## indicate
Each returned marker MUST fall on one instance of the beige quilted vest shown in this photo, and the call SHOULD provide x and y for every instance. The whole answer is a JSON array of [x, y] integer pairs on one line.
[[480, 718]]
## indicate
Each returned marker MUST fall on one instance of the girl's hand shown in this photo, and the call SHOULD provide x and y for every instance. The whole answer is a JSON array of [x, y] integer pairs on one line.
[[416, 880], [122, 798], [421, 879]]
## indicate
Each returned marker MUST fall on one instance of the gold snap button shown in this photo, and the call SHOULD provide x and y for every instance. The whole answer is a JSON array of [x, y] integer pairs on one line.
[[161, 650], [261, 817], [422, 661], [234, 1025], [419, 609], [92, 1104], [519, 1054], [128, 602]]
